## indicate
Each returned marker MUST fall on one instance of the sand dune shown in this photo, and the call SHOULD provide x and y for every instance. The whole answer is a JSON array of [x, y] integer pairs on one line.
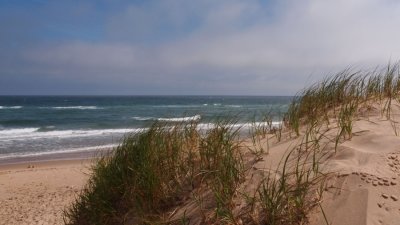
[[364, 172], [366, 188]]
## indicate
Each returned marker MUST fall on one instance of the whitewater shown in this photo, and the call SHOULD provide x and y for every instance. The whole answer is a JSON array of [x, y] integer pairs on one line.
[[44, 125]]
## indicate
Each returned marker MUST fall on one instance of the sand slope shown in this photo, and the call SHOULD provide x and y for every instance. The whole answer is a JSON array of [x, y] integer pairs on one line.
[[366, 189], [364, 173]]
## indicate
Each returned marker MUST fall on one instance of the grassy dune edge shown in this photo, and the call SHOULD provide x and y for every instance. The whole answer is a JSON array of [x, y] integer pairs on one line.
[[180, 174]]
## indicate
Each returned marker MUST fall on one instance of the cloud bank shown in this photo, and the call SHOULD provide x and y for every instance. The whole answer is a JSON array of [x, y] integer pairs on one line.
[[204, 47]]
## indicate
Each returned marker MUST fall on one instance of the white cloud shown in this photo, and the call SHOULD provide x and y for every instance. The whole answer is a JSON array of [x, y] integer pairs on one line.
[[255, 50], [307, 34]]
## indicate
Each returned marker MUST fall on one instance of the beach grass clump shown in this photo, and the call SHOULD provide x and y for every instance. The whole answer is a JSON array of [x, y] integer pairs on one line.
[[289, 198], [289, 193], [222, 165], [151, 172], [347, 88], [345, 119], [258, 133], [146, 173]]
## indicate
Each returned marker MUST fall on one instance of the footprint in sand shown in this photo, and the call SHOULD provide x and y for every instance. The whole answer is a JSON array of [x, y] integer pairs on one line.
[[375, 180], [393, 160], [386, 197]]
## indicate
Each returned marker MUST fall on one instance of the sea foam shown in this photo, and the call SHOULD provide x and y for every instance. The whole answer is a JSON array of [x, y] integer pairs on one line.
[[144, 118], [75, 107], [169, 119], [35, 133], [181, 119], [11, 107]]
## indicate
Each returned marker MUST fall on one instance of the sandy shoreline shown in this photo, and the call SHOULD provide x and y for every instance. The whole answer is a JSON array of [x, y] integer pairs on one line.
[[54, 156], [37, 192]]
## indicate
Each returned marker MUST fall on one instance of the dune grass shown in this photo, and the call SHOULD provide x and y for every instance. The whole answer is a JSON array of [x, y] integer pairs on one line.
[[150, 172], [347, 89], [258, 133], [146, 173], [289, 192], [285, 196], [222, 166], [289, 198]]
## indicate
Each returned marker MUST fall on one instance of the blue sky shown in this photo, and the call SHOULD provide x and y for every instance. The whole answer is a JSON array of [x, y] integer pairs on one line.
[[208, 47]]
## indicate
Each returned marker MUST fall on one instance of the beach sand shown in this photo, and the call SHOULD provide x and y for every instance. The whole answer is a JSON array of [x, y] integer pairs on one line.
[[364, 173], [37, 192], [364, 184], [367, 167]]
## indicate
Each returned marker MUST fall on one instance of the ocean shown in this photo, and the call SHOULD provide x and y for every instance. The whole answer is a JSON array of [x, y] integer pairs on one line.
[[40, 125]]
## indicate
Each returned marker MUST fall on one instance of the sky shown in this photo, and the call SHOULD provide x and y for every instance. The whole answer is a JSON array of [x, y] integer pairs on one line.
[[188, 47]]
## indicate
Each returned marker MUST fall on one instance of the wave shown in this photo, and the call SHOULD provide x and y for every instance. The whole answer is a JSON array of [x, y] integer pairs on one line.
[[198, 106], [178, 106], [11, 135], [172, 119], [143, 118], [17, 131], [11, 107], [47, 128], [36, 133], [75, 107], [23, 134], [181, 119]]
